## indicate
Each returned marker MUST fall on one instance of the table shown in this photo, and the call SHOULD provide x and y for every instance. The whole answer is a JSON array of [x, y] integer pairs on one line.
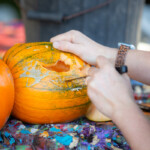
[[81, 134]]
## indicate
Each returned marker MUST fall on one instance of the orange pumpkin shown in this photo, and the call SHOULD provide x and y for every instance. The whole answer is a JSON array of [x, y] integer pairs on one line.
[[42, 94], [6, 93]]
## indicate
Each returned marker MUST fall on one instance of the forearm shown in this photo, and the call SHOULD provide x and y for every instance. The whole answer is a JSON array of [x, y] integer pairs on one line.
[[112, 95], [75, 42], [138, 63], [135, 128]]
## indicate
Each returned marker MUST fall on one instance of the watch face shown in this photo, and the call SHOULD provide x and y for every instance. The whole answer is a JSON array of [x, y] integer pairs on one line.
[[129, 45]]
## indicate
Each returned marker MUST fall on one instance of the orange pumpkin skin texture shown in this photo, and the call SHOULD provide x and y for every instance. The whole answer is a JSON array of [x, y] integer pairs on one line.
[[42, 94], [6, 93]]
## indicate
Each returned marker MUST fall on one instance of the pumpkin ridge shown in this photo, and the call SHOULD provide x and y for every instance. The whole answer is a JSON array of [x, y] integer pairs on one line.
[[29, 119], [27, 58], [23, 47], [66, 89], [73, 99], [75, 106], [12, 57], [20, 51], [11, 50], [83, 96]]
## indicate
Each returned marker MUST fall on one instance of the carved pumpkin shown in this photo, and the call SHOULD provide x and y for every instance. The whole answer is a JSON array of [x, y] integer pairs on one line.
[[6, 93], [42, 94]]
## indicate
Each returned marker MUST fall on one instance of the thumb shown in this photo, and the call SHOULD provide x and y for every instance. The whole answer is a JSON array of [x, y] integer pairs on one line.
[[102, 61]]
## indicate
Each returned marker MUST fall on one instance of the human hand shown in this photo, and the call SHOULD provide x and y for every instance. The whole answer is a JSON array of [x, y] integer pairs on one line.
[[77, 43], [108, 90]]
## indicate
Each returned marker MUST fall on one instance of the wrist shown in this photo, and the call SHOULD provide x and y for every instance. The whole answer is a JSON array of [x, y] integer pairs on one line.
[[112, 54], [108, 52], [126, 112]]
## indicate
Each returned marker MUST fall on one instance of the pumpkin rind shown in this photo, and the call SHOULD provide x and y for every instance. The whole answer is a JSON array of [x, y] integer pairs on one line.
[[42, 95], [6, 93]]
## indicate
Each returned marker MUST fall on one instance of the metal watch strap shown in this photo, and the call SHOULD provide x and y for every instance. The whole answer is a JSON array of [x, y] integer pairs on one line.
[[123, 48]]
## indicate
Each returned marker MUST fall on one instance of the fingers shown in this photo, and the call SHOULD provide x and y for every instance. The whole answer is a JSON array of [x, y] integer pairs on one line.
[[91, 71], [95, 94], [102, 62], [66, 46], [62, 37], [69, 36]]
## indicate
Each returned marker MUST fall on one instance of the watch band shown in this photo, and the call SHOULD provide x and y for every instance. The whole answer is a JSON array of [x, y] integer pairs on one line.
[[123, 48]]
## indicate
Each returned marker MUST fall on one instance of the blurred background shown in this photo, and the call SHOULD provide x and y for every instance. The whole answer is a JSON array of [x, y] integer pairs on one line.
[[105, 21]]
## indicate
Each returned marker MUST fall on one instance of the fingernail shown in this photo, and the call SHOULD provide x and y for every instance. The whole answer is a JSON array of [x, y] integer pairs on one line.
[[56, 44]]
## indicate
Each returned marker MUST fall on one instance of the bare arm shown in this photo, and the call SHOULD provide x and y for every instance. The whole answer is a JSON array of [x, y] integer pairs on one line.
[[135, 128], [112, 95], [110, 92], [138, 62]]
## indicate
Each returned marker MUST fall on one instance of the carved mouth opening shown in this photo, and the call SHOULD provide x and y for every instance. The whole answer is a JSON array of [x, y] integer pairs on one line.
[[59, 66]]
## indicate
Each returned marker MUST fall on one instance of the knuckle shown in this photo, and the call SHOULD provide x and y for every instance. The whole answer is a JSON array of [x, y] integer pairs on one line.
[[73, 31], [100, 59], [74, 34], [66, 45], [63, 45], [77, 32]]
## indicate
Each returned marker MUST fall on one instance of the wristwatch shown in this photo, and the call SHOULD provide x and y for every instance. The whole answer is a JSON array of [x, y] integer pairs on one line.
[[120, 60]]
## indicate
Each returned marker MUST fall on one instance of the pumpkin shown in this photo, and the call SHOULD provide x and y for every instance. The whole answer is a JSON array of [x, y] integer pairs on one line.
[[94, 115], [6, 93], [43, 93]]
